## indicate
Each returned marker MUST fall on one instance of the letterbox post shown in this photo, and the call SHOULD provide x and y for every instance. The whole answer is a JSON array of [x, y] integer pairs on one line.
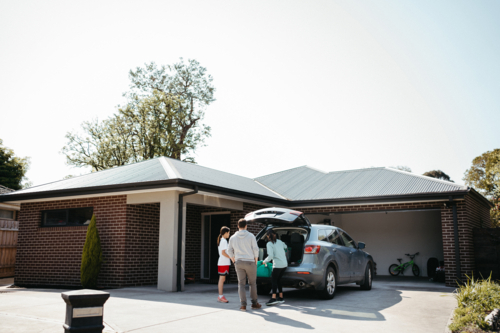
[[84, 310]]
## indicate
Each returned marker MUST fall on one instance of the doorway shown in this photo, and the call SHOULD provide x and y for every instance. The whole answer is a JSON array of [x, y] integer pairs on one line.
[[211, 225]]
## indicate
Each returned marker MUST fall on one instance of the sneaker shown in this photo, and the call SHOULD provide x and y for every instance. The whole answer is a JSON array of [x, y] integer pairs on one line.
[[281, 300], [243, 308], [256, 306], [272, 301], [222, 300]]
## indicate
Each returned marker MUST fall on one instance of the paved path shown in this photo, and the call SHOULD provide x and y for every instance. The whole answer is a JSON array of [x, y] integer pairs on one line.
[[393, 305]]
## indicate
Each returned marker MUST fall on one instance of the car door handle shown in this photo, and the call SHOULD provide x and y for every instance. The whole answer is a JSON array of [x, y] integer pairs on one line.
[[334, 250]]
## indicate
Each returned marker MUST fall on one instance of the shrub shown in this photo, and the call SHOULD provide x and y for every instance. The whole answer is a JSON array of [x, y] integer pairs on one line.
[[476, 299], [91, 256]]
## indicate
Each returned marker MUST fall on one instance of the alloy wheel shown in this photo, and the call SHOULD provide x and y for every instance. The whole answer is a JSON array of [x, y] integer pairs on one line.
[[330, 280]]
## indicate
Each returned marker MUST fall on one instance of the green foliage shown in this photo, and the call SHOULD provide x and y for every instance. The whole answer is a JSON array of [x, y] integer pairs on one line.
[[13, 169], [476, 299], [91, 257], [438, 174], [403, 168], [484, 177], [162, 118]]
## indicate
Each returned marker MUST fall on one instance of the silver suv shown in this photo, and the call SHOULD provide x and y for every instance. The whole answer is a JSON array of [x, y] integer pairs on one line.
[[320, 257]]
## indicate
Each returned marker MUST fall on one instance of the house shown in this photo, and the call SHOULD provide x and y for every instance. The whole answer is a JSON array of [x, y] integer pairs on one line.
[[158, 219], [8, 235]]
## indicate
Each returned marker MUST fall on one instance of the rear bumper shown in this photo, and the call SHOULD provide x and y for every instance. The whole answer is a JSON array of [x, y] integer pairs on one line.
[[293, 279]]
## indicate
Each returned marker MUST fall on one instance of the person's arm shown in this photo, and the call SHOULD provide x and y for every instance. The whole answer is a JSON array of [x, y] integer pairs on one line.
[[270, 253], [255, 248], [230, 249], [224, 248]]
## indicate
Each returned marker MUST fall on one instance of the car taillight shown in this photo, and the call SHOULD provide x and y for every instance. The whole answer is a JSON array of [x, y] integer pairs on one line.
[[312, 249], [296, 213]]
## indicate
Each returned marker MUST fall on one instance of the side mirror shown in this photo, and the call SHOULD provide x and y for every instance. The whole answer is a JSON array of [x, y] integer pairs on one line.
[[361, 245]]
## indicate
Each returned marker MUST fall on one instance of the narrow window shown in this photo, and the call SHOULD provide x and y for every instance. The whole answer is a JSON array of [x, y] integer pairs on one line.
[[67, 217]]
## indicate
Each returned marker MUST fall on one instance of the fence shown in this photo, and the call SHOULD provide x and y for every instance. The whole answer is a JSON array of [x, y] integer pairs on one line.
[[8, 246], [487, 252]]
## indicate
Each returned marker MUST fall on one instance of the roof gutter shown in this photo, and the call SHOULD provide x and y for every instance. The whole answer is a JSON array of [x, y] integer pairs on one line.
[[180, 231]]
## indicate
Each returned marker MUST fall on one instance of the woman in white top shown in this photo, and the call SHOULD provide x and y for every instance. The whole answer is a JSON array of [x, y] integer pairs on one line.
[[224, 262]]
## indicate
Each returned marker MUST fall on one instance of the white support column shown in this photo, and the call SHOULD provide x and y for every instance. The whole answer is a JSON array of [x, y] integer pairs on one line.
[[167, 251]]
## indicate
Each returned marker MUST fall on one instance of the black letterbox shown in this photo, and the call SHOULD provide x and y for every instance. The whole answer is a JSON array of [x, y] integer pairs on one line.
[[84, 310]]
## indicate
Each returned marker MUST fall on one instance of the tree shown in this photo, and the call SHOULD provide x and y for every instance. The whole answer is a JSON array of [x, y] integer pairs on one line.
[[484, 177], [91, 256], [438, 174], [162, 118], [13, 169], [403, 168]]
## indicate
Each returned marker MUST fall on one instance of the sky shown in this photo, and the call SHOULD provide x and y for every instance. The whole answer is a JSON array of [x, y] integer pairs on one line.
[[335, 85]]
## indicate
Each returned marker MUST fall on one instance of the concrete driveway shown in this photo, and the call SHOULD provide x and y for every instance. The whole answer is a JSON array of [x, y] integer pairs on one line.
[[393, 305]]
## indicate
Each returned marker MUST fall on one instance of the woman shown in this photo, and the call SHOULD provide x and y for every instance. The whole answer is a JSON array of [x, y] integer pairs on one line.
[[276, 252], [224, 262]]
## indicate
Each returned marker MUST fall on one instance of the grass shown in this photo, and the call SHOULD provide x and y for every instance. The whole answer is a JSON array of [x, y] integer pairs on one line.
[[476, 299]]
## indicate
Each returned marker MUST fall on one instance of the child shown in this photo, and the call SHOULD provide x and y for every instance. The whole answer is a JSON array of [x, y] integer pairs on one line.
[[224, 262]]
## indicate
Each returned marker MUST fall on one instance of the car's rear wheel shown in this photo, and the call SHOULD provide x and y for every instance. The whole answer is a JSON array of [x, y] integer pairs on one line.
[[330, 284], [367, 283], [393, 270], [264, 289]]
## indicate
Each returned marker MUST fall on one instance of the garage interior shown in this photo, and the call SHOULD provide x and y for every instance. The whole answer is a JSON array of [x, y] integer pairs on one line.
[[390, 234]]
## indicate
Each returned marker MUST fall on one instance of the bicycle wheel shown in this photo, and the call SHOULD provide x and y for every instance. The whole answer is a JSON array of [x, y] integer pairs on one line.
[[394, 270], [415, 270]]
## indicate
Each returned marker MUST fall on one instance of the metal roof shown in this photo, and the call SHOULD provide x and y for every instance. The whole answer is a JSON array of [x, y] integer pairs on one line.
[[306, 183], [157, 169]]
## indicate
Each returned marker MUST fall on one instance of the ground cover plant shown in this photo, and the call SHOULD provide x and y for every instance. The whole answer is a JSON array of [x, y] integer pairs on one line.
[[476, 299]]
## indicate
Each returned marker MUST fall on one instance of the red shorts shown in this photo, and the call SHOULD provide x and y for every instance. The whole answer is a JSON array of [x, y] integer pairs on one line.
[[223, 270]]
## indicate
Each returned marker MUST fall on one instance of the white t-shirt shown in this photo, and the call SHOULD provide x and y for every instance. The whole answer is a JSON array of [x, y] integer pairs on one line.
[[223, 261]]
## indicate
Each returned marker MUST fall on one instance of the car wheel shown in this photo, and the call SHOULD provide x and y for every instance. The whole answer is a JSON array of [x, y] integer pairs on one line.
[[330, 284], [264, 289], [367, 283], [415, 270], [393, 270]]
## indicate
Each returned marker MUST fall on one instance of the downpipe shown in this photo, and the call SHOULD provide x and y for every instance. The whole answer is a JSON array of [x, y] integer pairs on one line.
[[179, 236]]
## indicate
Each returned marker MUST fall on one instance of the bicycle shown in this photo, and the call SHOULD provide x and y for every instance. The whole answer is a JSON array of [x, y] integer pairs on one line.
[[395, 269]]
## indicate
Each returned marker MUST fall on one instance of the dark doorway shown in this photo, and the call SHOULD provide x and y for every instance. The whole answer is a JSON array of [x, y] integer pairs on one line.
[[211, 228]]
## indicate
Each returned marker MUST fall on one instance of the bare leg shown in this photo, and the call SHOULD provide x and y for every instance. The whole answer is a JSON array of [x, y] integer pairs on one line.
[[281, 295], [274, 296], [222, 278]]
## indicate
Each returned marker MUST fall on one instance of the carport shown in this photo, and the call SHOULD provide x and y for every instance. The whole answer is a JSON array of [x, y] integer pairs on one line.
[[390, 234]]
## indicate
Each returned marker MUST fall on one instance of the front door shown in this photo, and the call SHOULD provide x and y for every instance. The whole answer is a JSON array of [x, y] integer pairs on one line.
[[211, 229]]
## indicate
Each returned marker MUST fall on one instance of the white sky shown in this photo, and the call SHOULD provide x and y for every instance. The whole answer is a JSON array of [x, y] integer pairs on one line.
[[332, 84]]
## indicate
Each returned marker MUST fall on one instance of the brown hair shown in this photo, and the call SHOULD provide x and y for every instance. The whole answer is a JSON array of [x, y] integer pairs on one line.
[[272, 236], [242, 223], [223, 230]]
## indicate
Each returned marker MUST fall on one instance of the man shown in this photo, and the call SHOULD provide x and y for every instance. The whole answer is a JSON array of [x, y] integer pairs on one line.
[[244, 252]]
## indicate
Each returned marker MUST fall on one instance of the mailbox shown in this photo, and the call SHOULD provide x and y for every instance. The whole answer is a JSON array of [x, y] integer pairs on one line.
[[84, 310]]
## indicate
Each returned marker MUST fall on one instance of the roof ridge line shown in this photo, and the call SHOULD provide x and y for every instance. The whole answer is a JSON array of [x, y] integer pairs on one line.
[[352, 170], [275, 173], [169, 169], [464, 187], [269, 189]]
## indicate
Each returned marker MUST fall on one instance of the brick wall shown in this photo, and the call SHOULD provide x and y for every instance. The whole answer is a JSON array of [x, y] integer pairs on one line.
[[51, 256], [141, 244]]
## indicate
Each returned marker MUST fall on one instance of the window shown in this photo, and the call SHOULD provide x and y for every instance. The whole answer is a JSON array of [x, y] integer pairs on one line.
[[322, 235], [348, 241], [66, 217], [334, 237], [6, 214]]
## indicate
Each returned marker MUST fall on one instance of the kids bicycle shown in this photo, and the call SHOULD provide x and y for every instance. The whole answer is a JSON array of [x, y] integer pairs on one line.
[[395, 269]]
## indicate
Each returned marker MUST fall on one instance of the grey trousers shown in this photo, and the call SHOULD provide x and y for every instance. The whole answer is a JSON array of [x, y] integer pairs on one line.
[[244, 270]]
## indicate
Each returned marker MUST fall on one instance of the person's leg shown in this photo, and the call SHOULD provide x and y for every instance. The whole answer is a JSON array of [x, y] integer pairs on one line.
[[280, 275], [222, 278], [274, 280], [252, 280], [242, 277]]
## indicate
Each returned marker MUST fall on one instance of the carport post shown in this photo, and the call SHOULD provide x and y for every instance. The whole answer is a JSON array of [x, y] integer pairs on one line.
[[457, 243]]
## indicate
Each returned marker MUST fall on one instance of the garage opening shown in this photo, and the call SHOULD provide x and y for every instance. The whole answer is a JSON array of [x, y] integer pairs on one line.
[[389, 235]]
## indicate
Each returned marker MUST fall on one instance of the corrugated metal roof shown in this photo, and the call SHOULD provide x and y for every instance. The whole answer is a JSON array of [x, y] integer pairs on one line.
[[154, 170], [305, 183]]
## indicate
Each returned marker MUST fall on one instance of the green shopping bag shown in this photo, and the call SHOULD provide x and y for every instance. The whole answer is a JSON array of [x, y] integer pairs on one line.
[[263, 271]]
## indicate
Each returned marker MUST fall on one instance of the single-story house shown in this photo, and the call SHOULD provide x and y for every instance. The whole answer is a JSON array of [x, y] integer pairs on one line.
[[158, 219]]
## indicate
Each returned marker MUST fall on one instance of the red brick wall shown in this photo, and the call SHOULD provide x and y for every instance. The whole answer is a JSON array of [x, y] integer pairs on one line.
[[51, 256], [141, 244]]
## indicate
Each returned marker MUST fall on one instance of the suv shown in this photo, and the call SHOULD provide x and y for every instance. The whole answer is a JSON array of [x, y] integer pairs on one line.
[[320, 257]]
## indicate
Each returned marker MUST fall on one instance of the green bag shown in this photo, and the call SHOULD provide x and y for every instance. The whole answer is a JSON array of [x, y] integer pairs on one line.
[[263, 271]]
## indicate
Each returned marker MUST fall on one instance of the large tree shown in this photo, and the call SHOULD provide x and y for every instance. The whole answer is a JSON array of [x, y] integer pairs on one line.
[[13, 169], [162, 118], [484, 176], [438, 174]]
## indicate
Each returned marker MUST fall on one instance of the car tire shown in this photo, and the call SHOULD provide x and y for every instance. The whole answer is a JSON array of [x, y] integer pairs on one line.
[[330, 284], [392, 270], [264, 289], [367, 283]]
